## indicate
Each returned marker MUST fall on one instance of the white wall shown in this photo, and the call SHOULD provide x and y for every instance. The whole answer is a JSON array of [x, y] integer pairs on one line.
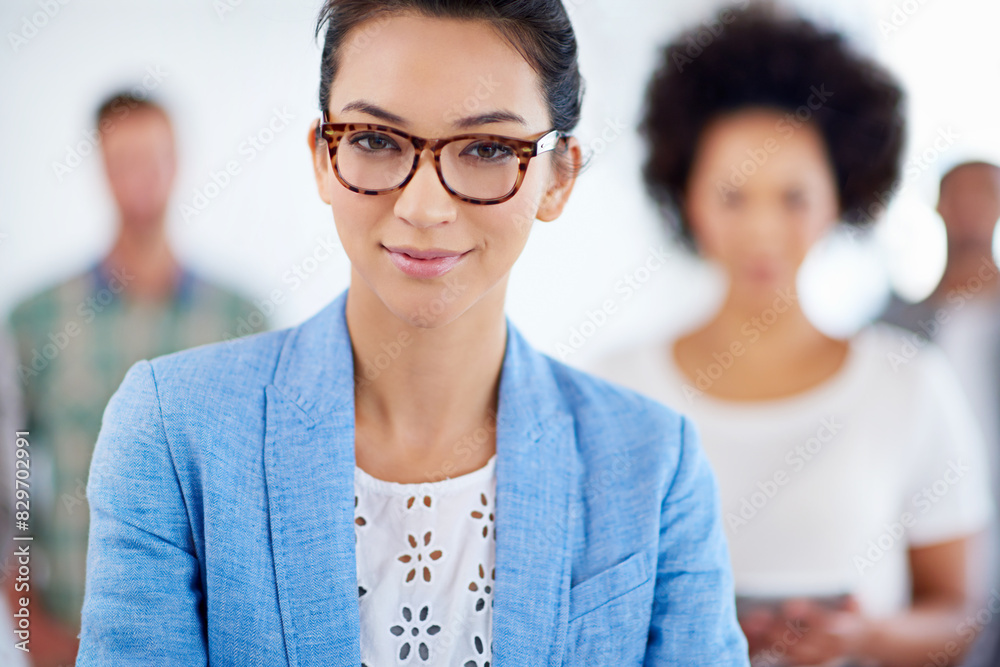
[[223, 75]]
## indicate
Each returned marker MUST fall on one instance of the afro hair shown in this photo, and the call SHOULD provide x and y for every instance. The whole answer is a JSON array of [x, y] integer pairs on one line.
[[756, 57]]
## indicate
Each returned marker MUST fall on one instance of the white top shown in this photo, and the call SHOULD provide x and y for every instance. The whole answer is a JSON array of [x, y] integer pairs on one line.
[[425, 557], [822, 493]]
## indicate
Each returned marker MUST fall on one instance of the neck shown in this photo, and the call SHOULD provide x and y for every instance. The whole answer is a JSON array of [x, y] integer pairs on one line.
[[146, 262], [969, 278], [425, 387], [773, 320]]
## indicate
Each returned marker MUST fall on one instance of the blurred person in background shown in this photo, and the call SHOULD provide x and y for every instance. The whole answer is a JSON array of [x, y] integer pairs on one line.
[[11, 421], [969, 206], [962, 314], [76, 341], [850, 490], [985, 652]]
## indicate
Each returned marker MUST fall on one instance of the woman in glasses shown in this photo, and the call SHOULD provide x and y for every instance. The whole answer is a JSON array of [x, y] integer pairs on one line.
[[850, 471], [402, 479]]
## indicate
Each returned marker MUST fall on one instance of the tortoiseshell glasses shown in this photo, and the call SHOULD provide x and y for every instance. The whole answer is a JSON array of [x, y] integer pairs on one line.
[[475, 168]]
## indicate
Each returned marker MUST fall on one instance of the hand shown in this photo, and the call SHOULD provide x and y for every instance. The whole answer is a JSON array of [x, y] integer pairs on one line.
[[813, 634], [757, 625]]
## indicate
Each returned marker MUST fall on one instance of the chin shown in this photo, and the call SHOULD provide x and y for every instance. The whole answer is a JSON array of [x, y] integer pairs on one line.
[[764, 286], [427, 306]]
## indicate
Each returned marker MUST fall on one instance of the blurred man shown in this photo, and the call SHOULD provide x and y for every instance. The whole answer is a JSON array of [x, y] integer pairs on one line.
[[969, 204], [962, 314], [985, 651], [76, 341]]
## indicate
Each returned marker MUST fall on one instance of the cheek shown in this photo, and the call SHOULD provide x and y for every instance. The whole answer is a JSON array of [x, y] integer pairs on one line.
[[513, 220], [814, 229], [818, 221], [505, 227], [537, 181], [357, 219], [503, 231], [711, 226]]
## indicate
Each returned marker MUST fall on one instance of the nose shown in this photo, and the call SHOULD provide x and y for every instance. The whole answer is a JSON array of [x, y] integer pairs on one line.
[[424, 201], [762, 227]]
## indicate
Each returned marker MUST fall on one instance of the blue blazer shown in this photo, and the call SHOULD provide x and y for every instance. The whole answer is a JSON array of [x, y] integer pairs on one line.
[[221, 499]]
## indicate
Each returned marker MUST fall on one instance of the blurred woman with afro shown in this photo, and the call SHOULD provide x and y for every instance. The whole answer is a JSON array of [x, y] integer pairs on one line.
[[850, 475]]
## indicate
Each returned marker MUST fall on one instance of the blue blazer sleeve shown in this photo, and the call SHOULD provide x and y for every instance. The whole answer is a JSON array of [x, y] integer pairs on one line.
[[694, 610], [143, 598]]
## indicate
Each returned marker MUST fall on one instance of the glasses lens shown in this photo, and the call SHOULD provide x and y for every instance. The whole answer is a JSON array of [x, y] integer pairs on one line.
[[481, 168], [374, 159]]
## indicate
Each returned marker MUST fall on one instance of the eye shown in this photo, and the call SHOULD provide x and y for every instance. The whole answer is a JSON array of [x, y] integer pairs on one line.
[[488, 151], [795, 199], [732, 198], [373, 142]]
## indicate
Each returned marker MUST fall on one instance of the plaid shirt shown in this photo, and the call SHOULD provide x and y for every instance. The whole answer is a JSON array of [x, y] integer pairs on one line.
[[75, 343]]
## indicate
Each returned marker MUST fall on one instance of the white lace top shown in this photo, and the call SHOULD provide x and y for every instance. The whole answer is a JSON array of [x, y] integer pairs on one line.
[[425, 555]]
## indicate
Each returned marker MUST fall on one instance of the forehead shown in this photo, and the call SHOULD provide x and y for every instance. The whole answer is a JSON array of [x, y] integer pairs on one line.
[[972, 176], [141, 124], [763, 141], [432, 71]]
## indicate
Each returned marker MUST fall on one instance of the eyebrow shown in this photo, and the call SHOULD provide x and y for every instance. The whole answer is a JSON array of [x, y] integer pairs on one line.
[[490, 117], [373, 110], [498, 116]]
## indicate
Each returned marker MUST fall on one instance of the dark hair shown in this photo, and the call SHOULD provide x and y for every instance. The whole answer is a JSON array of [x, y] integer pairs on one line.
[[756, 58], [539, 29], [120, 104]]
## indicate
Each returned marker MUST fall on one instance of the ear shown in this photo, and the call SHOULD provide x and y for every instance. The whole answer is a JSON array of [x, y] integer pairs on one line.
[[563, 179], [321, 162]]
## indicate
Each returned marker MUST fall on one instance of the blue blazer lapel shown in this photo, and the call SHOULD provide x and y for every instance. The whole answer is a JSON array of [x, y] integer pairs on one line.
[[309, 466], [536, 470]]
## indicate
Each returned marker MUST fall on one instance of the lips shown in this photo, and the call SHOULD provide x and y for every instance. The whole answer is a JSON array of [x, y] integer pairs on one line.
[[433, 253], [427, 263]]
